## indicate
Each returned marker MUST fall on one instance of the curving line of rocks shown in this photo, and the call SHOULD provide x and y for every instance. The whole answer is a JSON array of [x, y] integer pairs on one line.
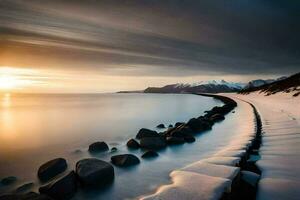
[[228, 175], [93, 172], [181, 132]]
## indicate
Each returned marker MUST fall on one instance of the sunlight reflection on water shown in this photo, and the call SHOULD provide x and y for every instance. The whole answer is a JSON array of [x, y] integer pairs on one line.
[[5, 100]]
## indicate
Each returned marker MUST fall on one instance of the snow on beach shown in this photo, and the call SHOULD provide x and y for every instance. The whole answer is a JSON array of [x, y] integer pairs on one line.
[[280, 151], [279, 156], [212, 177]]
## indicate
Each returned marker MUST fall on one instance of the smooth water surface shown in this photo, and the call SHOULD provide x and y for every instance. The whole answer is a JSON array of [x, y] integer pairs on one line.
[[37, 128]]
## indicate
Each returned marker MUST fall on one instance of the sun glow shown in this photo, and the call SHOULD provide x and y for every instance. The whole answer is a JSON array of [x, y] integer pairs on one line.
[[7, 82], [11, 80]]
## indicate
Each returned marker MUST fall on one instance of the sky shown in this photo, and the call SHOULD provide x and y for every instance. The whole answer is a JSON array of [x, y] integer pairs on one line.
[[111, 45]]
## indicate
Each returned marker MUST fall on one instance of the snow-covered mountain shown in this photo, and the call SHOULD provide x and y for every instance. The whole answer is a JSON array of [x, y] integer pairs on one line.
[[235, 85], [213, 86], [261, 82], [283, 84]]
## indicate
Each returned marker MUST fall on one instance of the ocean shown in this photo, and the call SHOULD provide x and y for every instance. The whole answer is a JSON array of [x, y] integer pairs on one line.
[[39, 127]]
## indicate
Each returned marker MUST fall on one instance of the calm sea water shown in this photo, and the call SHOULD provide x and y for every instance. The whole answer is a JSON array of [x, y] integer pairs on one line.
[[37, 128]]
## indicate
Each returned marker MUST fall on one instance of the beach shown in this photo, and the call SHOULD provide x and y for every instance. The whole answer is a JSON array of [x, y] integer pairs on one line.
[[221, 169], [277, 173]]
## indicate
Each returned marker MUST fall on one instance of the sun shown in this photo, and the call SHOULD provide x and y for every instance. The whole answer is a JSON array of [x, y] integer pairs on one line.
[[13, 79], [8, 82]]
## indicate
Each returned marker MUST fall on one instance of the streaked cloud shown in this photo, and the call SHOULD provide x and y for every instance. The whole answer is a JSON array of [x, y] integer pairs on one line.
[[152, 38]]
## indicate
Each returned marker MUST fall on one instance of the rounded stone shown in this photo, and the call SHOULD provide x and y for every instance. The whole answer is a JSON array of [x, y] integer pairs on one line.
[[52, 168], [94, 172], [125, 160]]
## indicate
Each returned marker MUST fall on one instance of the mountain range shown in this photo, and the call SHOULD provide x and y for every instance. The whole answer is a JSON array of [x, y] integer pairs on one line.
[[261, 82], [287, 85], [222, 86], [213, 86]]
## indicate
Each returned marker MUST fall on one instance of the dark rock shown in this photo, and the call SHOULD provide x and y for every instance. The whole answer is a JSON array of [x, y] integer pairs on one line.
[[186, 131], [98, 147], [169, 131], [94, 172], [179, 124], [150, 154], [125, 160], [175, 133], [28, 196], [219, 110], [189, 139], [133, 144], [217, 117], [247, 188], [251, 166], [52, 168], [8, 180], [198, 125], [153, 143], [182, 132], [160, 126], [114, 149], [175, 140], [250, 177], [146, 133], [170, 126], [24, 187], [61, 189], [207, 120], [161, 134]]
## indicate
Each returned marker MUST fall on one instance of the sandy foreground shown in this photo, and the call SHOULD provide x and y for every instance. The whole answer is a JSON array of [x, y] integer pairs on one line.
[[280, 156]]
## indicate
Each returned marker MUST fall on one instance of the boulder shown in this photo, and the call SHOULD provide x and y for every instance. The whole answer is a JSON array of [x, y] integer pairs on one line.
[[207, 120], [24, 187], [153, 143], [189, 139], [160, 126], [250, 177], [150, 154], [8, 180], [186, 131], [61, 189], [114, 149], [175, 140], [198, 125], [169, 131], [52, 168], [125, 160], [217, 117], [179, 124], [94, 172], [182, 132], [98, 147], [170, 126], [146, 133], [28, 196], [248, 185], [133, 144]]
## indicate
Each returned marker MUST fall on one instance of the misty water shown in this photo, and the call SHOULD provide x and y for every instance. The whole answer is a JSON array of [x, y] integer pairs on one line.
[[37, 128]]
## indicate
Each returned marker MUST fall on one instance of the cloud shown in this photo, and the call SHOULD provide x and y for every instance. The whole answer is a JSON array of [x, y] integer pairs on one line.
[[152, 38]]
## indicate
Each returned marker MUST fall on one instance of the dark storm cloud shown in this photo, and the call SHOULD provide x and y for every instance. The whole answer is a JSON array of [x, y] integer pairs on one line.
[[151, 37]]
